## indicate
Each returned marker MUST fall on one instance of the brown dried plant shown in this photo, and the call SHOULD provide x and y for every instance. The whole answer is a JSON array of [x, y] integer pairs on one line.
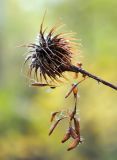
[[73, 130], [48, 59]]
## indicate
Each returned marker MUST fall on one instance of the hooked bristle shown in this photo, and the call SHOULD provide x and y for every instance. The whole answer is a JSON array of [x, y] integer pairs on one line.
[[51, 55]]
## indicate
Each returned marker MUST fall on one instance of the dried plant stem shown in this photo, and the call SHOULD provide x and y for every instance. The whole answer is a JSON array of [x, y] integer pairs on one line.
[[73, 112], [73, 130], [74, 86], [82, 71]]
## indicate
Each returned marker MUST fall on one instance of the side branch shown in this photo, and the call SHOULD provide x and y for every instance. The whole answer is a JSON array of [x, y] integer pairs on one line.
[[82, 71]]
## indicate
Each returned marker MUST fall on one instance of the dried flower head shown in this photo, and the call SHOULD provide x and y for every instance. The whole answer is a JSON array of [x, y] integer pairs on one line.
[[51, 55]]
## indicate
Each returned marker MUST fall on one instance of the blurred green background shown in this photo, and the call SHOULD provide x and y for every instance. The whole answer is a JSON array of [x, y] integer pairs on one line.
[[25, 111]]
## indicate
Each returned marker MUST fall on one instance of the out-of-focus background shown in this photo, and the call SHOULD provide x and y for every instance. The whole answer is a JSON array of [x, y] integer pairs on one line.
[[25, 111]]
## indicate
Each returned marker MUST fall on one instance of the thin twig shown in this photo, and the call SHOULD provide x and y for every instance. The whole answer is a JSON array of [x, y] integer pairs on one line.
[[74, 86], [82, 71]]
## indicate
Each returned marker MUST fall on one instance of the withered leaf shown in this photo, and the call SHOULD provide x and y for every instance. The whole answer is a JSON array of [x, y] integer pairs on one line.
[[75, 89], [79, 64], [42, 84], [75, 75], [77, 126], [66, 136], [53, 115], [73, 133], [74, 144], [71, 90], [54, 126], [71, 115]]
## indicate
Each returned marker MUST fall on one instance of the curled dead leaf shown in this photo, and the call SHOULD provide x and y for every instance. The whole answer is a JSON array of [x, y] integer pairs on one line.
[[53, 115]]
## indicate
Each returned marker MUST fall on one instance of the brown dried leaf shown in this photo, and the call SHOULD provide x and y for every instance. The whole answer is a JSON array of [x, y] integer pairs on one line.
[[54, 126], [76, 75], [75, 89], [73, 133], [66, 136], [53, 115], [77, 126], [74, 144], [42, 84], [79, 64], [73, 86]]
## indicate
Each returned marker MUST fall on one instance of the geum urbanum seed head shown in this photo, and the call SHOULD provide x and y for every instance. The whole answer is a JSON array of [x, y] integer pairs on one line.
[[51, 55], [49, 58]]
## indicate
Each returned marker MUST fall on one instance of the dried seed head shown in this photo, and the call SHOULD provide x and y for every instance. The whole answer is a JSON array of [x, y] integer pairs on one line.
[[51, 55]]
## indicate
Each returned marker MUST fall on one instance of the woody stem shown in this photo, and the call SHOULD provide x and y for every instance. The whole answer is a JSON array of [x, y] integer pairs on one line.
[[82, 71], [73, 112]]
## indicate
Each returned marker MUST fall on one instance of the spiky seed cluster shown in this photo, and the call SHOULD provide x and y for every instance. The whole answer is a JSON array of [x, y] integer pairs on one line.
[[51, 55]]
